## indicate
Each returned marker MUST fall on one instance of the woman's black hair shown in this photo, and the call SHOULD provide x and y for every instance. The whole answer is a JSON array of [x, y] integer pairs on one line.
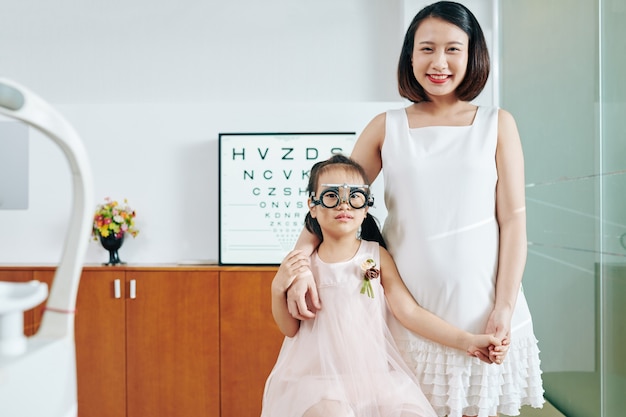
[[478, 55], [369, 227]]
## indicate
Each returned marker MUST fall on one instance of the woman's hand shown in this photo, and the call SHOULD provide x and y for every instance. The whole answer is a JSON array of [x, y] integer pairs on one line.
[[498, 353], [487, 348], [302, 297], [293, 264], [499, 324]]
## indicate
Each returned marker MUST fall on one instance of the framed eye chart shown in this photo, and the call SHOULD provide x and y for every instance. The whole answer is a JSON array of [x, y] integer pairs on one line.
[[263, 179]]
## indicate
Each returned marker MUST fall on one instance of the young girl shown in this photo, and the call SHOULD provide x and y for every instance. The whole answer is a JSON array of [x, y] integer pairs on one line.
[[456, 223], [344, 362]]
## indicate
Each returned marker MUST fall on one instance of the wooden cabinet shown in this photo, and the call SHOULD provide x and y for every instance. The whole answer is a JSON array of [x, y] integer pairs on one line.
[[187, 341], [172, 334], [152, 351], [249, 339], [100, 332]]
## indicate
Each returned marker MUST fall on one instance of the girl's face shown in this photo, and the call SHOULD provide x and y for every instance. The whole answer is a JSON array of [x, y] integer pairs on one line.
[[342, 220], [440, 56]]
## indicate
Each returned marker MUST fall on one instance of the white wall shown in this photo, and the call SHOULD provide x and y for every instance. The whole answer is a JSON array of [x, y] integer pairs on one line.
[[150, 84], [73, 51], [163, 158]]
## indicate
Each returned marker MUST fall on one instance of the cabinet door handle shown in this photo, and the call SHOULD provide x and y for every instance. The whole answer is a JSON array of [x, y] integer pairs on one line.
[[117, 289], [133, 289]]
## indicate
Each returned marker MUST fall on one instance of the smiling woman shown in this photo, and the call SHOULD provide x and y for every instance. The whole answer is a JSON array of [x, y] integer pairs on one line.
[[454, 189]]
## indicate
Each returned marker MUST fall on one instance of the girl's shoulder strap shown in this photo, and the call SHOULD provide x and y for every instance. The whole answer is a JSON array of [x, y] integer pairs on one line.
[[370, 249]]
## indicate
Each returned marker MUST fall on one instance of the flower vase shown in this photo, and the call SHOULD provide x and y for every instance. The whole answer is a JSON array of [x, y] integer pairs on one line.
[[112, 244]]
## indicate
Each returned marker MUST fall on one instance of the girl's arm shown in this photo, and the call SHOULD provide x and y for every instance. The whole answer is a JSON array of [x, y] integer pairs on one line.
[[424, 323], [511, 216], [367, 153], [292, 265]]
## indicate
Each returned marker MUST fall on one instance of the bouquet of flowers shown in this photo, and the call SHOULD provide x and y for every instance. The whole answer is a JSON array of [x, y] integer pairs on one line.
[[112, 218]]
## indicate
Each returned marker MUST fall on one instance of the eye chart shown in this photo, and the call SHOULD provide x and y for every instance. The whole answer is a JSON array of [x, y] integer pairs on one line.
[[263, 180]]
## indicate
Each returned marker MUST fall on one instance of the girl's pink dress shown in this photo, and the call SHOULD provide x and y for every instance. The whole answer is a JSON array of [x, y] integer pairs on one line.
[[346, 354]]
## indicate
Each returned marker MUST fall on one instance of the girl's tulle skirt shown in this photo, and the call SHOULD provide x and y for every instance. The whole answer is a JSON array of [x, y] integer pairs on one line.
[[344, 362]]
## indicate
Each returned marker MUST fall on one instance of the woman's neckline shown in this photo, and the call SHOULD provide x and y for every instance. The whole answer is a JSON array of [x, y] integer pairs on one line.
[[477, 110]]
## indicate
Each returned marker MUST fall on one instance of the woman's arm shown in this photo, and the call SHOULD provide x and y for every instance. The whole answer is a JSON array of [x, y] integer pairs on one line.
[[292, 265], [424, 323], [304, 283], [511, 216], [367, 153]]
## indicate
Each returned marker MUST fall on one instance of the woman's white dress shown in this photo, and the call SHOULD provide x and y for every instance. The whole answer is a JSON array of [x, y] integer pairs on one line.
[[346, 356], [441, 229]]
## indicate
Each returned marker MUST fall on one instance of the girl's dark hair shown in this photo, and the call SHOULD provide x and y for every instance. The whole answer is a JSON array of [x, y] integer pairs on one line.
[[478, 55], [369, 227]]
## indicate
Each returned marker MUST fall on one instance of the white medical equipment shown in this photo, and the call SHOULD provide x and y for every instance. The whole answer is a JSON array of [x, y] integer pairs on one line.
[[38, 374]]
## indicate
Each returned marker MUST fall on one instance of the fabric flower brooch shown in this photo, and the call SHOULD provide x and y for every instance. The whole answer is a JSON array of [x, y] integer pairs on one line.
[[369, 272]]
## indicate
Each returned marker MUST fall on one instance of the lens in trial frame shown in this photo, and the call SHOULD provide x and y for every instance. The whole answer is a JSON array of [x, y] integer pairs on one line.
[[355, 196]]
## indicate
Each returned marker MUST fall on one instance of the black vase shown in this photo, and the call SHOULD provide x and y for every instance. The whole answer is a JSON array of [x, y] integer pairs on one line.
[[112, 244]]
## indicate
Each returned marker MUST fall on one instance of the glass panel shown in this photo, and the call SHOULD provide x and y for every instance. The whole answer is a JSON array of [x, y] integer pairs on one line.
[[613, 272], [549, 69]]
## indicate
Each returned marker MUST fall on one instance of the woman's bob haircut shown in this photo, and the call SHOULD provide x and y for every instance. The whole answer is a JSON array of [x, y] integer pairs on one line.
[[478, 55]]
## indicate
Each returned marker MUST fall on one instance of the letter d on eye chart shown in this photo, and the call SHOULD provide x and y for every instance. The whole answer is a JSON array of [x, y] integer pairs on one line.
[[263, 179]]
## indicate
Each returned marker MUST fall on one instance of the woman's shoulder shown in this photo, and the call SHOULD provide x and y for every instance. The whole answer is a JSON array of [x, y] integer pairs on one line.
[[377, 126], [506, 121], [504, 116], [508, 133], [373, 134], [381, 118]]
